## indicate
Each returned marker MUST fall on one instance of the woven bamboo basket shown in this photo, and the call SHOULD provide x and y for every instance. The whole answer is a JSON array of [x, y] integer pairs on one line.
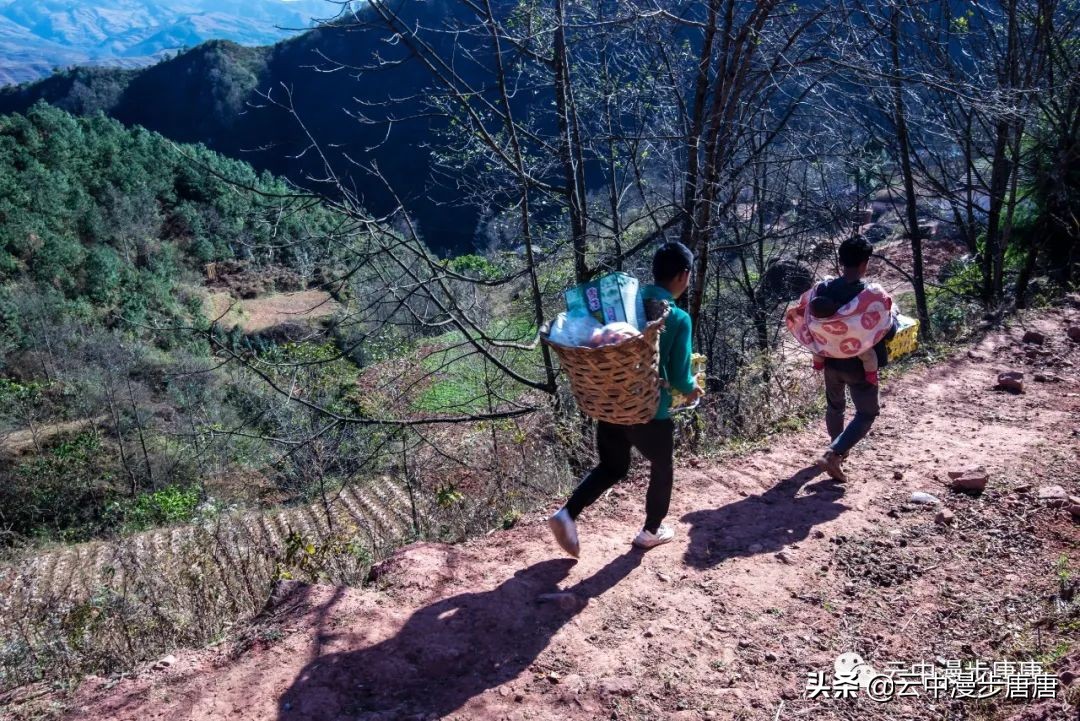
[[618, 383]]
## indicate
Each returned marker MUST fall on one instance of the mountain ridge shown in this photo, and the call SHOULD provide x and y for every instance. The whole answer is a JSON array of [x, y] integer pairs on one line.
[[37, 36]]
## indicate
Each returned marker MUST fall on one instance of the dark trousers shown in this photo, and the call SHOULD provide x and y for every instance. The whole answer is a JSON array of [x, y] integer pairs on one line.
[[864, 396], [656, 441]]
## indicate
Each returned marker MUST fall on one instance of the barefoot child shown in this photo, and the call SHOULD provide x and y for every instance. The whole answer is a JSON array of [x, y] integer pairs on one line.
[[656, 439]]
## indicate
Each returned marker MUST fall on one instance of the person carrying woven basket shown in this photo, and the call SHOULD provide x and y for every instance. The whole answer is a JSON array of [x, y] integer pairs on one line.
[[655, 439]]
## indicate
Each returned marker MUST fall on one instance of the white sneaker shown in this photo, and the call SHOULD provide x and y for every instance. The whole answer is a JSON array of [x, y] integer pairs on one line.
[[565, 531], [646, 539]]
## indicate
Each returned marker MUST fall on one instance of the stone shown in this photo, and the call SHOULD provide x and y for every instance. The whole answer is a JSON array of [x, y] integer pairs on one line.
[[974, 480], [165, 662], [618, 686], [770, 656], [685, 715], [785, 558], [925, 499], [572, 683], [1074, 333], [945, 517], [897, 476], [732, 693], [1053, 496], [755, 548], [1047, 378], [1035, 337], [1012, 381], [1074, 511]]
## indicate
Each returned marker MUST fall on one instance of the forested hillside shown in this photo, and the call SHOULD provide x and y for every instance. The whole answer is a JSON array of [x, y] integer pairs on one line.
[[106, 234]]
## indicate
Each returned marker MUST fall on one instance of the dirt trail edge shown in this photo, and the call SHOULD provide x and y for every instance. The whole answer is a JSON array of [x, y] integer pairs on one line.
[[774, 572]]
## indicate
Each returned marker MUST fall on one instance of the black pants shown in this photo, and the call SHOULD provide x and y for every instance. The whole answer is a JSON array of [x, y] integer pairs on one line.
[[864, 396], [656, 441]]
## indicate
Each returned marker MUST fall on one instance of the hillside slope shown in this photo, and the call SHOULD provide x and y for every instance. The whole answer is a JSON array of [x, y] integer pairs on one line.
[[774, 572]]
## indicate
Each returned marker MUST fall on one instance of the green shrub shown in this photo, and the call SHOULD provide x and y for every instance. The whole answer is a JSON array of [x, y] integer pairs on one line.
[[166, 506], [953, 305], [62, 492]]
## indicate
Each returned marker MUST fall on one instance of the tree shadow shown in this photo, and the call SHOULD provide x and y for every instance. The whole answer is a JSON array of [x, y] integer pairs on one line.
[[763, 523], [450, 651]]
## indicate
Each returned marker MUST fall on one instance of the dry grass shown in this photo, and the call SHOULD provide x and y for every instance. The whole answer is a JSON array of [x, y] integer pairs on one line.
[[258, 314]]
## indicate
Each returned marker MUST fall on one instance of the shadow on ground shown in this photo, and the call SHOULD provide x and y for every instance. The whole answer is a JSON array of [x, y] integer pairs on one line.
[[450, 651], [764, 523]]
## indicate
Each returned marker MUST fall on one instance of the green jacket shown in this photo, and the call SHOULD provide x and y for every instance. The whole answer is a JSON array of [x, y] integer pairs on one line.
[[675, 349]]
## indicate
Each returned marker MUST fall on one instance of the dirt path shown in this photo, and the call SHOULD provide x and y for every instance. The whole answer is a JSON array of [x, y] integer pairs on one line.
[[774, 572]]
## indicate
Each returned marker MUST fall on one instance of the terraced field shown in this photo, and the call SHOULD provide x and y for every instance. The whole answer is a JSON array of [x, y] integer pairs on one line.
[[216, 571], [381, 514]]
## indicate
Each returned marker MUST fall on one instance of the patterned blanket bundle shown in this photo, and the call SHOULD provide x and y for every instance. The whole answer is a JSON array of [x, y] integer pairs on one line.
[[856, 326]]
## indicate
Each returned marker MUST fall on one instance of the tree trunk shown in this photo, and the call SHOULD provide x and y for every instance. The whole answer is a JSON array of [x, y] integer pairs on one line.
[[697, 126], [142, 435], [1026, 272], [999, 180], [910, 202], [569, 147]]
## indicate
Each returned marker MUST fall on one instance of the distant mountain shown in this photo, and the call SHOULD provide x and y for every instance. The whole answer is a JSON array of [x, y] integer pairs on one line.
[[37, 36], [213, 94]]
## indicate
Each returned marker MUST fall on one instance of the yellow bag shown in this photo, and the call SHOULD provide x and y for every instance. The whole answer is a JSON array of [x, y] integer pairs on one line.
[[697, 369], [906, 339]]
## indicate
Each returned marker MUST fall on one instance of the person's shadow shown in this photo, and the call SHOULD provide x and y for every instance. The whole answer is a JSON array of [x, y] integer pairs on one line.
[[763, 523], [450, 651]]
